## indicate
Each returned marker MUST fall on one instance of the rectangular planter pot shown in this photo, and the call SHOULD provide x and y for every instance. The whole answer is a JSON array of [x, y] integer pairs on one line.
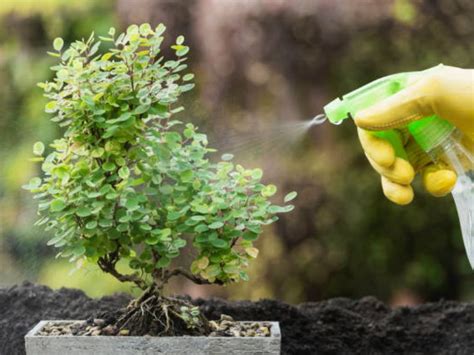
[[133, 345]]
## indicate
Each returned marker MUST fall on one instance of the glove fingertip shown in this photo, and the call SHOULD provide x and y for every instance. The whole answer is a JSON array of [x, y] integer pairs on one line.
[[440, 182], [398, 194], [377, 149]]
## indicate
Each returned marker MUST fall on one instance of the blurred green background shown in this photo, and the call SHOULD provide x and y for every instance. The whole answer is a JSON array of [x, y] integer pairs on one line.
[[258, 65]]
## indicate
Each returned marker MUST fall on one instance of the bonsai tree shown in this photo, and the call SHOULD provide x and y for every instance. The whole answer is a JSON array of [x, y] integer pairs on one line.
[[129, 181]]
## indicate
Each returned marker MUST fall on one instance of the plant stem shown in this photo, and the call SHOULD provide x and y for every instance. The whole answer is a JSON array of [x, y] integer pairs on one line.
[[108, 265]]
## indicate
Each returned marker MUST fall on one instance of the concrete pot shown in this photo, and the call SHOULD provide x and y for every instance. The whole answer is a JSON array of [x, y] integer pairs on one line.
[[133, 345]]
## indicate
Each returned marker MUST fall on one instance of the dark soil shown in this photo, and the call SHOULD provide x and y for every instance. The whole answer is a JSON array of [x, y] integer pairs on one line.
[[336, 326]]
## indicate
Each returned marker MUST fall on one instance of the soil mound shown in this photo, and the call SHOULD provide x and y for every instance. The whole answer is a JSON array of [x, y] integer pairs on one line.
[[329, 327]]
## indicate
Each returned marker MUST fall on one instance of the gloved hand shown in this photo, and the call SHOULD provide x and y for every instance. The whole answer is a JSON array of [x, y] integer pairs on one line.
[[444, 91]]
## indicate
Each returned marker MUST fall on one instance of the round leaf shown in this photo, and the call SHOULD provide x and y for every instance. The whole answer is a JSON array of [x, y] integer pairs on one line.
[[57, 205], [291, 196], [227, 157], [269, 190], [83, 212], [216, 225], [163, 262], [219, 243], [257, 174], [58, 44], [38, 148], [124, 172], [253, 252]]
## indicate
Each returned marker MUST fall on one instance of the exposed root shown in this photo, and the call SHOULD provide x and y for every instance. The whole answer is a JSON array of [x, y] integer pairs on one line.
[[154, 314]]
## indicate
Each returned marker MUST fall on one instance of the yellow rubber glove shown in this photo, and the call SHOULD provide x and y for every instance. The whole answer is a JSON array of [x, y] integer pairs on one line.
[[444, 91]]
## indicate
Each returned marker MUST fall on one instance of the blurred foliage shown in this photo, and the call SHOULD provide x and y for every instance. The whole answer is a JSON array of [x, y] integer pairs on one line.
[[259, 64], [89, 278]]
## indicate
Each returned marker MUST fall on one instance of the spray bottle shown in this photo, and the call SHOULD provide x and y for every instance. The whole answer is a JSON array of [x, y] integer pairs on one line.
[[436, 136]]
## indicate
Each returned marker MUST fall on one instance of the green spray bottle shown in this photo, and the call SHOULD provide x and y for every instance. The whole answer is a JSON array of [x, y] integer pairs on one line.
[[436, 136]]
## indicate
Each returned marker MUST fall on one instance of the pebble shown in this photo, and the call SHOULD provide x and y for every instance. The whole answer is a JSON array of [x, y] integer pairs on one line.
[[109, 330], [225, 326], [99, 322]]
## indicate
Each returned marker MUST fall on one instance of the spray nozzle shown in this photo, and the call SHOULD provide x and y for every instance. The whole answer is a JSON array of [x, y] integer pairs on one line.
[[364, 97]]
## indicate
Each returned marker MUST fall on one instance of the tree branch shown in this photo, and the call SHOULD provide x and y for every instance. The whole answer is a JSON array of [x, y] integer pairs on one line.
[[168, 274], [108, 265]]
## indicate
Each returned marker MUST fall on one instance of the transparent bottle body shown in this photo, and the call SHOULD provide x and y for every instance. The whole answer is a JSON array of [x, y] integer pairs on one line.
[[461, 159]]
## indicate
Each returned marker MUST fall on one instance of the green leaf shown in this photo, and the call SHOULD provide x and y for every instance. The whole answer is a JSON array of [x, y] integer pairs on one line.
[[186, 176], [180, 40], [58, 44], [160, 29], [291, 196], [201, 228], [38, 148], [188, 77], [121, 118], [98, 152], [91, 225], [196, 184], [201, 209], [250, 236], [166, 189], [34, 182], [219, 243], [145, 227], [62, 74], [231, 269], [257, 174], [79, 251], [108, 166], [227, 157], [179, 243], [253, 252], [54, 54], [182, 51], [269, 190], [188, 132], [134, 264], [216, 225], [152, 240], [106, 223], [255, 228], [141, 109], [280, 209], [122, 227], [57, 205], [132, 204], [51, 107], [163, 262], [83, 212], [202, 263], [111, 195], [163, 233], [145, 29], [213, 270], [244, 276], [173, 216], [124, 172]]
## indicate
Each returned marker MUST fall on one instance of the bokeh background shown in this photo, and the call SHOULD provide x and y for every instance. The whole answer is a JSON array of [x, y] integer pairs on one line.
[[261, 66]]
